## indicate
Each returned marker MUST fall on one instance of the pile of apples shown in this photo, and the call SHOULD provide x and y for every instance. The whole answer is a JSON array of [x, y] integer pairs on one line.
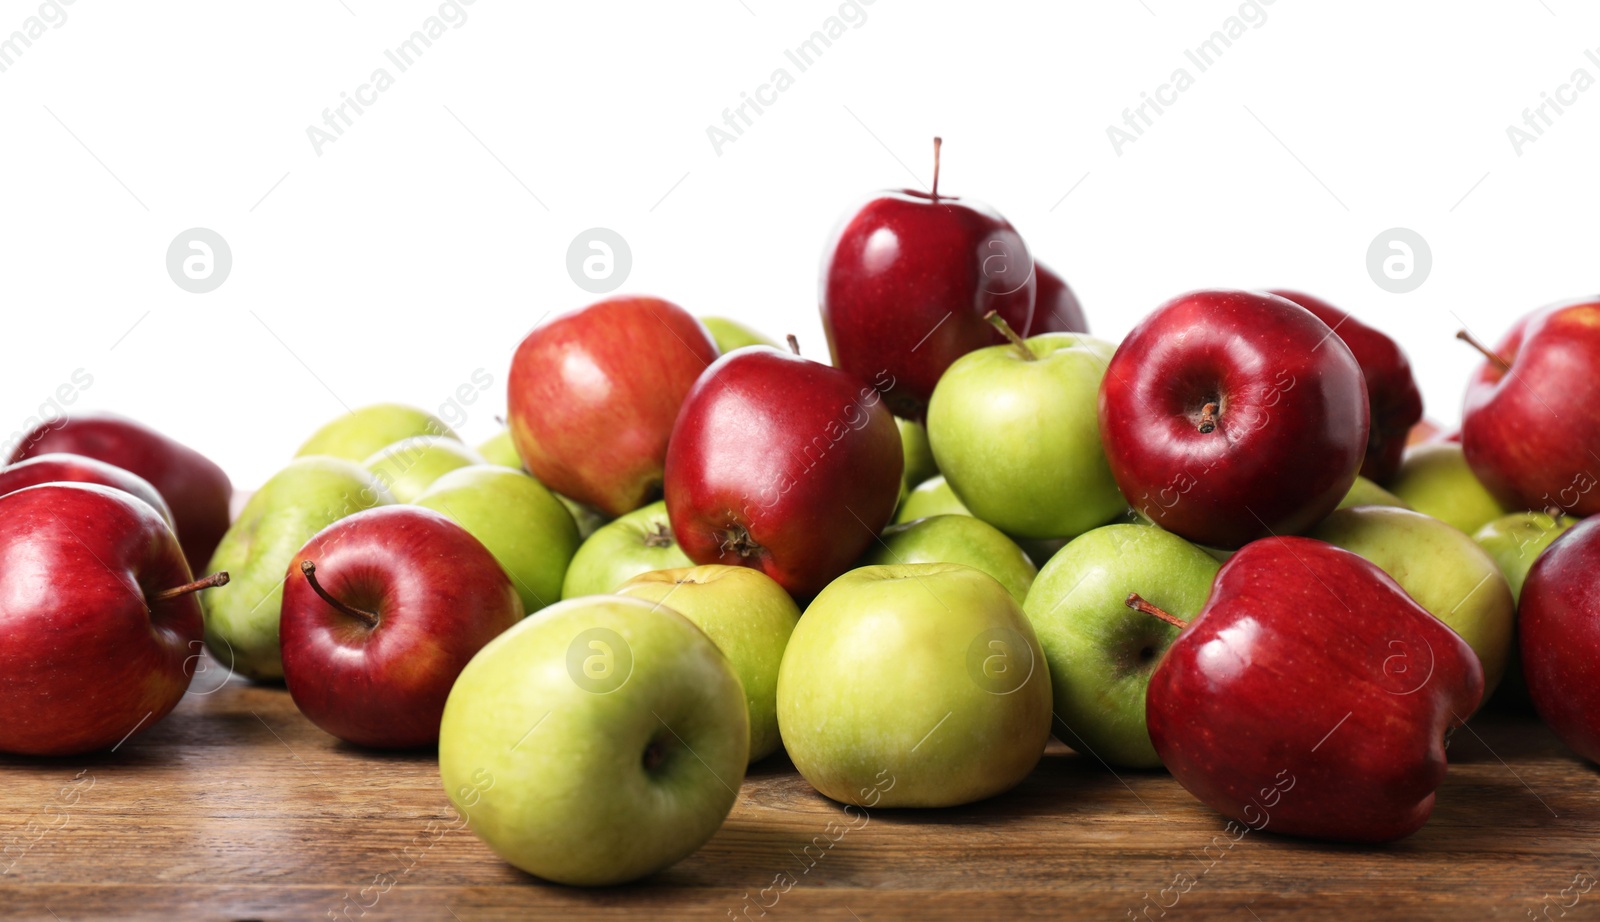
[[1208, 548]]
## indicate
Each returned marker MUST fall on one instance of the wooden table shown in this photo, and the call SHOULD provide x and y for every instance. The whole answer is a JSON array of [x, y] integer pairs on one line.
[[236, 807]]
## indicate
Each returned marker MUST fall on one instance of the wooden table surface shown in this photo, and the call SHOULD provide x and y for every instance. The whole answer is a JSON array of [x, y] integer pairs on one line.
[[236, 807]]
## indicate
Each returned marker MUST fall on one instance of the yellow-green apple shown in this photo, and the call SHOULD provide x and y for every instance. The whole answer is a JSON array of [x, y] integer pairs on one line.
[[930, 497], [593, 394], [409, 466], [918, 455], [362, 433], [1366, 493], [501, 450], [956, 539], [521, 523], [597, 742], [914, 686], [308, 495], [747, 615], [731, 334], [1434, 479], [1100, 652], [636, 543], [1515, 541], [1013, 430]]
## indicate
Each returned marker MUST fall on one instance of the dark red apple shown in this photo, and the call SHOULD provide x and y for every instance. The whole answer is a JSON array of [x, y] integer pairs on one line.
[[1392, 396], [1311, 696], [99, 626], [1558, 630], [1531, 425], [195, 488], [381, 611], [906, 280], [782, 464], [593, 395], [65, 468], [1229, 416], [1055, 307]]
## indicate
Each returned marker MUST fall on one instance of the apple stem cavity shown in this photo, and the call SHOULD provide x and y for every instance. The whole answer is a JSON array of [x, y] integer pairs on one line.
[[938, 142], [999, 323], [654, 755], [365, 617], [1488, 353], [658, 535], [1135, 602], [166, 595], [794, 344], [1208, 417]]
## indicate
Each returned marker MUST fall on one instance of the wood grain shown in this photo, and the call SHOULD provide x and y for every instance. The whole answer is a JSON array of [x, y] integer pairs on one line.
[[236, 807]]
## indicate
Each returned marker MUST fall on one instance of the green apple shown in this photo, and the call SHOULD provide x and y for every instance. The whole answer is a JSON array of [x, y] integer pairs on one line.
[[498, 449], [1515, 541], [521, 523], [747, 615], [956, 539], [1440, 567], [931, 497], [1015, 431], [919, 463], [289, 509], [359, 434], [914, 686], [409, 466], [635, 543], [1101, 653], [596, 742], [1434, 479], [731, 334], [1366, 493]]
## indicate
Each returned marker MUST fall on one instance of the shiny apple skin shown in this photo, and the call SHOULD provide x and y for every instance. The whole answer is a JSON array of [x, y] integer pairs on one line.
[[801, 459], [84, 659], [1055, 306], [905, 282], [1558, 630], [1311, 662], [593, 394], [1291, 430], [195, 488], [1393, 400], [60, 467], [1532, 435], [439, 596]]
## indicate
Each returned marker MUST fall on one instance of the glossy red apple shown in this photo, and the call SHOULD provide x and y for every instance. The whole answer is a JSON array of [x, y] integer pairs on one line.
[[782, 464], [1558, 630], [195, 488], [905, 283], [1311, 696], [65, 468], [1392, 396], [1229, 416], [99, 626], [381, 611], [593, 394], [1531, 425], [1055, 307]]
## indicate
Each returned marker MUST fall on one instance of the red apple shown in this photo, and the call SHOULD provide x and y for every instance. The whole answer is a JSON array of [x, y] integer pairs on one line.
[[1558, 630], [381, 611], [1392, 396], [195, 488], [1055, 307], [1531, 425], [1311, 696], [1228, 416], [593, 394], [784, 465], [98, 619], [906, 281], [65, 468]]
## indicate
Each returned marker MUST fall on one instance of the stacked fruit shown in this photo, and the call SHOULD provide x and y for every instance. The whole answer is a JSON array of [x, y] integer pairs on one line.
[[1207, 548]]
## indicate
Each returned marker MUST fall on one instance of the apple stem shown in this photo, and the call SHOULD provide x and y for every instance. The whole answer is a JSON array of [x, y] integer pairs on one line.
[[999, 323], [209, 582], [794, 344], [1208, 417], [1488, 353], [365, 617], [937, 143], [1139, 604]]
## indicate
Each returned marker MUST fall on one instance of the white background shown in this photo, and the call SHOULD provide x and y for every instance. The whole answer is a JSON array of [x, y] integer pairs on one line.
[[405, 256]]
